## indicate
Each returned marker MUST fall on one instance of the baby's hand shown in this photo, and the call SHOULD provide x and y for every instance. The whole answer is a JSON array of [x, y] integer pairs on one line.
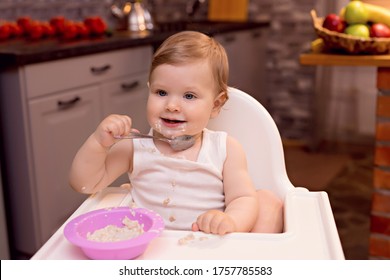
[[214, 221], [113, 125]]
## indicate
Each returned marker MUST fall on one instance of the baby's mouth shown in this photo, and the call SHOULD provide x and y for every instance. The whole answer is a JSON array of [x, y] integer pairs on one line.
[[169, 121], [170, 128]]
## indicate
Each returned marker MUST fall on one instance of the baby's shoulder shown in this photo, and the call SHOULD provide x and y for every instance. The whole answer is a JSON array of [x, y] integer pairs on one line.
[[214, 135]]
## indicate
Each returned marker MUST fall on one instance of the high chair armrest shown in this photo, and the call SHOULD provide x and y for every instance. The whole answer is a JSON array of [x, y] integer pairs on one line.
[[300, 204]]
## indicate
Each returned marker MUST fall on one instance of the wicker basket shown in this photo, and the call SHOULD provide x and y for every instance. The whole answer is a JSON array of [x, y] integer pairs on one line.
[[347, 43]]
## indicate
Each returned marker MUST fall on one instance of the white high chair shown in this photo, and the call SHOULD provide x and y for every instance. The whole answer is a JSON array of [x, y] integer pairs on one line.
[[309, 227], [245, 119]]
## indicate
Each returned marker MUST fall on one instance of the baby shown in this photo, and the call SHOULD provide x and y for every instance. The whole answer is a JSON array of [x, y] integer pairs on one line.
[[205, 187]]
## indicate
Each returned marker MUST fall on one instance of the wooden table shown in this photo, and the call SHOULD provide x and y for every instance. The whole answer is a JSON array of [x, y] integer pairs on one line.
[[379, 247]]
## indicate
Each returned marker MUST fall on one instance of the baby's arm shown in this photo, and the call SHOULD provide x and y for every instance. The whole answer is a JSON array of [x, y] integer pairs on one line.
[[240, 197], [99, 162]]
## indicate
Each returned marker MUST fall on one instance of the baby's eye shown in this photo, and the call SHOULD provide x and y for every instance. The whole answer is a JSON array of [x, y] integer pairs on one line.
[[161, 92], [189, 96]]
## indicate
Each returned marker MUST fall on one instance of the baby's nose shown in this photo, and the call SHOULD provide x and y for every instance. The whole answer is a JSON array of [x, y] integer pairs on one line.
[[173, 105]]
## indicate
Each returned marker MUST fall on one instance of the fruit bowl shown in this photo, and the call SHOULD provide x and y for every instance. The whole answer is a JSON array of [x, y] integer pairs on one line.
[[345, 43], [78, 230]]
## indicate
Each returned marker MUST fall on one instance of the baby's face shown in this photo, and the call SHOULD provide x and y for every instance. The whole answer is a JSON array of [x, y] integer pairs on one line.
[[182, 98]]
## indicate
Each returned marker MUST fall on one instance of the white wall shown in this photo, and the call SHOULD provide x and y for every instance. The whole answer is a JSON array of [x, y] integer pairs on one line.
[[347, 94], [352, 100]]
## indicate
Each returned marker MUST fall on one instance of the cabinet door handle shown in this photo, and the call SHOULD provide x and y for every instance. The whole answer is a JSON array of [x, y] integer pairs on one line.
[[68, 103], [256, 34], [101, 69], [129, 86]]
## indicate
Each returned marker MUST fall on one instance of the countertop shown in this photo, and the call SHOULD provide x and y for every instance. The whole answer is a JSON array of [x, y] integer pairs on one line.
[[19, 52], [330, 59]]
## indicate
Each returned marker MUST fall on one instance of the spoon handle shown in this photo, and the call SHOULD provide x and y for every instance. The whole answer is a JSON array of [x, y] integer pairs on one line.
[[134, 135]]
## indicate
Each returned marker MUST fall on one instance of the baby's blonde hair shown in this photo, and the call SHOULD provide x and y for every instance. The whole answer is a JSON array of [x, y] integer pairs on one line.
[[188, 46]]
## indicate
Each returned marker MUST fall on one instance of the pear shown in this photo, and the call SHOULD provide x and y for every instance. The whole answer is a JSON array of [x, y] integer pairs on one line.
[[358, 30], [356, 12]]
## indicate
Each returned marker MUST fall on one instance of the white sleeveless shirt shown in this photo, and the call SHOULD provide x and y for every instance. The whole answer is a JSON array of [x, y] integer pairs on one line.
[[176, 188]]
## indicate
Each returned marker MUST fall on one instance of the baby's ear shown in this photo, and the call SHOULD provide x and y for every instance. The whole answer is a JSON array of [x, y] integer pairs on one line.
[[219, 101]]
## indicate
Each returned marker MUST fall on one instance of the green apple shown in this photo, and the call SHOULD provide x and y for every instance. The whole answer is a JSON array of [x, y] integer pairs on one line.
[[355, 12], [359, 30]]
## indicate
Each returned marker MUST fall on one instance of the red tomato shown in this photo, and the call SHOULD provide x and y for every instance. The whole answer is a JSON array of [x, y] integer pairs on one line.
[[82, 29], [16, 30], [58, 24], [96, 25], [48, 29], [5, 31], [24, 23], [70, 31], [35, 31]]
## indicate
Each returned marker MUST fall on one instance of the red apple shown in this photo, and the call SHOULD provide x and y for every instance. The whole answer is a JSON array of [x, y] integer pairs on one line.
[[334, 23], [379, 30]]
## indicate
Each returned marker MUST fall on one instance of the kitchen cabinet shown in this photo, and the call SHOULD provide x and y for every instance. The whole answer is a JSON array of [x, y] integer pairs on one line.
[[48, 110], [246, 51], [127, 96], [4, 248], [57, 132]]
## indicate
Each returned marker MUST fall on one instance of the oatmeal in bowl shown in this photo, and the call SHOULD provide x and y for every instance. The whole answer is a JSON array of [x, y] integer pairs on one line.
[[114, 233]]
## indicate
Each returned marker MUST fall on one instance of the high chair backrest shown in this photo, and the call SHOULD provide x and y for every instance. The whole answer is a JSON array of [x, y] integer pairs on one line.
[[245, 119]]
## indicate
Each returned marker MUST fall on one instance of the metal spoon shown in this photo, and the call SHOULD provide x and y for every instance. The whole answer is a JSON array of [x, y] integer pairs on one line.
[[179, 143]]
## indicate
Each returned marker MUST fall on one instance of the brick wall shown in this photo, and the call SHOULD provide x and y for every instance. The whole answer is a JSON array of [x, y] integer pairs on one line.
[[380, 210], [290, 86]]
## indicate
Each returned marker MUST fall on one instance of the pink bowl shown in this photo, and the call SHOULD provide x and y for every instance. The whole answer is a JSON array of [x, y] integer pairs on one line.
[[77, 229]]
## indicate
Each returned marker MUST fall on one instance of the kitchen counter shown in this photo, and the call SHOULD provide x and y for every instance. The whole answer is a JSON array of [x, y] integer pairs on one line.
[[19, 52], [326, 59]]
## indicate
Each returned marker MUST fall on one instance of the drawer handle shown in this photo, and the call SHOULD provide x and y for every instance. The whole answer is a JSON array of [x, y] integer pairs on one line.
[[100, 70], [69, 103], [129, 86]]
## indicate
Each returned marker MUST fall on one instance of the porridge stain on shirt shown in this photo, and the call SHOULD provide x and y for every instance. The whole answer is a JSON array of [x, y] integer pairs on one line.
[[173, 181], [166, 201]]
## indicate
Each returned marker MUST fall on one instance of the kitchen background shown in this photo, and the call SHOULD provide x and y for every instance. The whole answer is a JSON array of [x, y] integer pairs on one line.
[[347, 95], [309, 104]]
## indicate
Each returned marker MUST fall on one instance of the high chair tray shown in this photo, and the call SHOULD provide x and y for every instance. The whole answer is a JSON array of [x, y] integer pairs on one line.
[[310, 233]]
